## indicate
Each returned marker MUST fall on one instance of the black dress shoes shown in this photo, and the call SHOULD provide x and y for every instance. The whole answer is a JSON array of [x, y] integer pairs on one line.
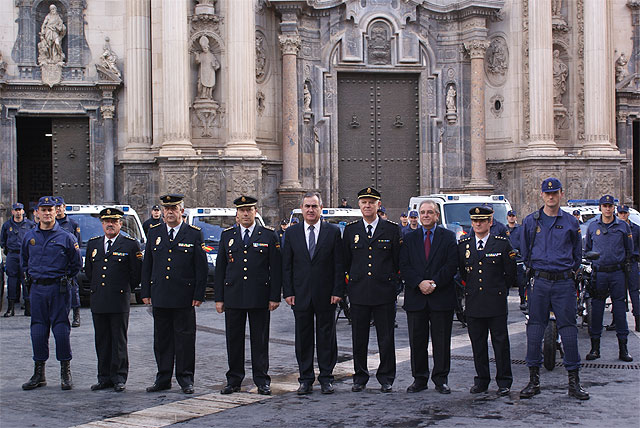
[[305, 389], [386, 387], [327, 388], [101, 385], [477, 389], [264, 390], [157, 387], [187, 389], [358, 387], [118, 387], [443, 389], [230, 389], [503, 392], [417, 387]]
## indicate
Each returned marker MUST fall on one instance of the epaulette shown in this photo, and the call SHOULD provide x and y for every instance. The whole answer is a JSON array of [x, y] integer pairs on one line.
[[229, 228], [195, 227], [96, 237], [154, 225], [129, 237], [500, 237], [352, 222], [392, 222], [269, 228], [466, 238]]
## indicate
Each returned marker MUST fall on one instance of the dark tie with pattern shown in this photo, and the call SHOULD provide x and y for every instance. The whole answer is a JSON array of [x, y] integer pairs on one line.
[[108, 246], [312, 241], [427, 245], [246, 237], [171, 234], [369, 231]]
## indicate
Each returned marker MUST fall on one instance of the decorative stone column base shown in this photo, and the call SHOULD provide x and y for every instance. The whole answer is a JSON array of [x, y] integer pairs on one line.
[[542, 148], [174, 149], [247, 148], [288, 200], [607, 151]]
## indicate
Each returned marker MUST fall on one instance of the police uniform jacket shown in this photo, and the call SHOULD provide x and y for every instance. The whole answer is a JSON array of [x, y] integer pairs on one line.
[[174, 273], [514, 238], [71, 226], [50, 254], [488, 275], [12, 234], [248, 277], [372, 264], [612, 241], [112, 276], [635, 238]]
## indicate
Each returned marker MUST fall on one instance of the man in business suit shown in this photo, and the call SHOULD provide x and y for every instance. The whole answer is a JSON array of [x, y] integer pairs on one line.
[[372, 249], [313, 283], [247, 283], [428, 262], [488, 266], [112, 265], [174, 277]]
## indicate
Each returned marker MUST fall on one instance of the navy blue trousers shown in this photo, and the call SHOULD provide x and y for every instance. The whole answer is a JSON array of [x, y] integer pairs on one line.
[[50, 311], [614, 283], [14, 278]]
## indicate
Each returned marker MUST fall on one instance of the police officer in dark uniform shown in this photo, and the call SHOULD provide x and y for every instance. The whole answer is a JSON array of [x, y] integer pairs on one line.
[[576, 214], [611, 237], [623, 214], [372, 250], [50, 257], [552, 249], [513, 233], [413, 223], [11, 235], [497, 228], [174, 277], [284, 223], [71, 226], [487, 265], [112, 265], [156, 218], [248, 282]]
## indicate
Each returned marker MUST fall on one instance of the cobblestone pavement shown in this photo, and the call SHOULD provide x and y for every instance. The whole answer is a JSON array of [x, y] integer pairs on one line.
[[614, 385]]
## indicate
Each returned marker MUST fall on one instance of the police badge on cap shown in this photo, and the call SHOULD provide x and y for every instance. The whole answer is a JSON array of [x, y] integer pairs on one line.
[[245, 201], [606, 200], [171, 199], [113, 213], [480, 213], [369, 192], [551, 184]]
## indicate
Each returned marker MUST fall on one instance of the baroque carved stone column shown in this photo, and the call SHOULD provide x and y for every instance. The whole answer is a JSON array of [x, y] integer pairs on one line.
[[541, 80], [598, 78], [241, 113], [290, 45], [477, 49], [137, 65], [107, 111], [175, 79]]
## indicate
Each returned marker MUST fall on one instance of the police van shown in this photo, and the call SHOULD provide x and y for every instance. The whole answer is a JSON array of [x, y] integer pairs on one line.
[[212, 221], [88, 219], [454, 209], [338, 216]]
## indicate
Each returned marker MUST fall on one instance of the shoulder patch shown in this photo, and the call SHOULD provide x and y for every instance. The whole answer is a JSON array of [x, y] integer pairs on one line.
[[154, 225], [96, 237]]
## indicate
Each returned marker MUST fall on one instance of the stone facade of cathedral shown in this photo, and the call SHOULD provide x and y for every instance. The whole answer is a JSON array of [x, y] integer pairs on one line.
[[120, 101]]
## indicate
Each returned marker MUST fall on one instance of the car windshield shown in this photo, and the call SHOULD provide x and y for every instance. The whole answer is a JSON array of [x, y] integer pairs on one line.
[[459, 213], [213, 225], [91, 226]]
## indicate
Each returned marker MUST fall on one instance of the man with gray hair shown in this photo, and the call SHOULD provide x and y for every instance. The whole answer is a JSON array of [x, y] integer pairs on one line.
[[313, 283]]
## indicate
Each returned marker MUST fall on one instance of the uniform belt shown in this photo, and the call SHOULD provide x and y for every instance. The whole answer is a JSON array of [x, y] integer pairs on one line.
[[47, 281], [609, 268], [554, 276]]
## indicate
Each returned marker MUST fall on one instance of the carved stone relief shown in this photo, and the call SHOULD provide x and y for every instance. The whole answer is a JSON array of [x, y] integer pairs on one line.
[[621, 68], [3, 66], [451, 103], [107, 68], [261, 58], [260, 102], [497, 61], [177, 182], [497, 105], [560, 74], [205, 7], [379, 44], [137, 191], [50, 55], [210, 196]]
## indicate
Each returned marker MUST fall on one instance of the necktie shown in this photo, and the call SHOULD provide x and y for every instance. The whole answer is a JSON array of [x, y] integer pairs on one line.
[[108, 246], [480, 245], [312, 241], [171, 234], [427, 245], [246, 237], [369, 234]]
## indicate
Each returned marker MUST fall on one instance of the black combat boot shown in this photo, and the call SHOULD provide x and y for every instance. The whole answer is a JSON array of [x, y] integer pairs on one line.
[[27, 308], [595, 349], [624, 352], [65, 375], [76, 318], [37, 379], [10, 311], [533, 387], [575, 389]]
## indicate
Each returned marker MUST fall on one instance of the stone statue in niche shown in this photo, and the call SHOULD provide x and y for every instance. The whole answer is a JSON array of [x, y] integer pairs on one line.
[[560, 74], [52, 32], [208, 66], [452, 110], [107, 68], [621, 67], [306, 97]]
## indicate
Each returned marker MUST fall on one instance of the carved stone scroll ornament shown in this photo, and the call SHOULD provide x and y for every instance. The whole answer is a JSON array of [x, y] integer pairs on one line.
[[50, 54], [107, 68], [107, 111], [476, 48], [289, 43]]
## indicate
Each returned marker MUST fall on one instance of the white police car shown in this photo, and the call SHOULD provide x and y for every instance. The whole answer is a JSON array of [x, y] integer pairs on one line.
[[88, 219], [338, 216], [212, 221], [454, 209]]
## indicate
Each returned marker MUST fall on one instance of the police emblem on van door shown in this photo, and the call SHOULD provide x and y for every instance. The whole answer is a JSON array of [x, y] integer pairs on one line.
[[158, 240]]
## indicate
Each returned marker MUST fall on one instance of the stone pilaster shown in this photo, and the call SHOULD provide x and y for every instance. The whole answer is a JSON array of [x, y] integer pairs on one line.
[[107, 111], [137, 67], [477, 48], [598, 78], [241, 113], [175, 79], [541, 80], [290, 45]]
